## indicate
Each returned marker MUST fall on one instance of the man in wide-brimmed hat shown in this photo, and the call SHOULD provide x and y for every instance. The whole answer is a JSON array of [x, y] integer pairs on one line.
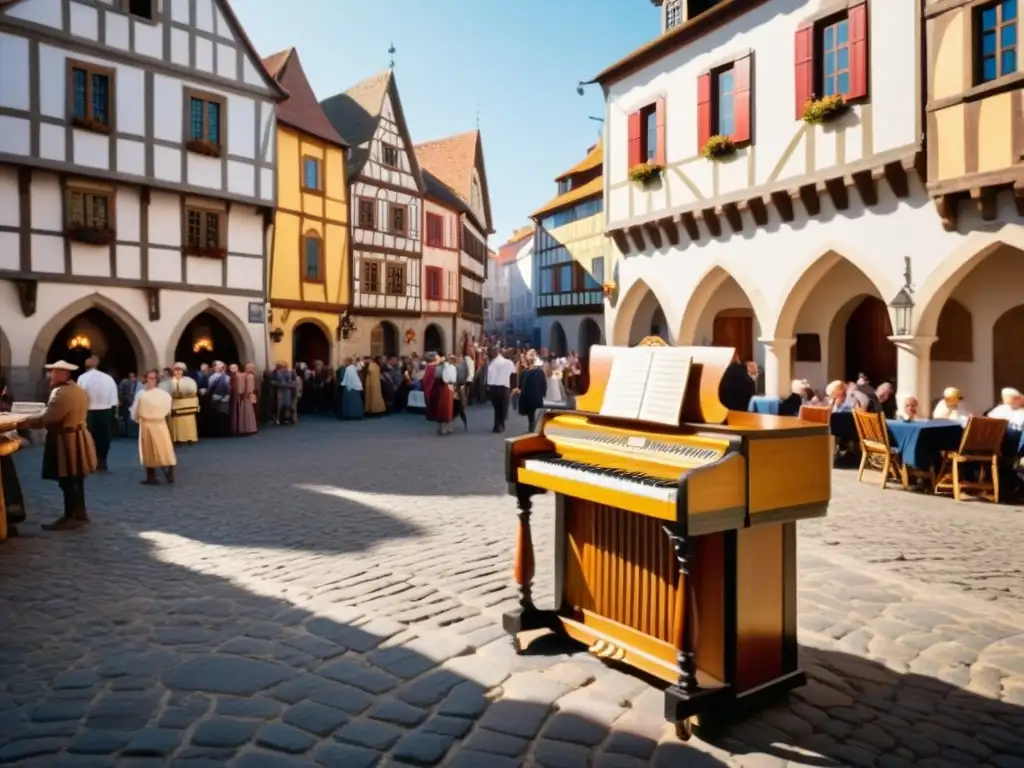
[[70, 455]]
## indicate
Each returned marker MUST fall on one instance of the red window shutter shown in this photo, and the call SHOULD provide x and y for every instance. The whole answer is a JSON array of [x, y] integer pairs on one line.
[[858, 20], [703, 110], [804, 61], [634, 139], [659, 119], [741, 97]]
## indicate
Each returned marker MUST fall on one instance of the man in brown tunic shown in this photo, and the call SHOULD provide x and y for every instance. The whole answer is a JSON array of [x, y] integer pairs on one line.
[[70, 455]]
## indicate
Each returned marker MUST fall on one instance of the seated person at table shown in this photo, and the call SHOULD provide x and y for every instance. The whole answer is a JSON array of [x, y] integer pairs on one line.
[[863, 385], [1011, 409], [952, 406], [835, 397], [887, 399], [909, 412]]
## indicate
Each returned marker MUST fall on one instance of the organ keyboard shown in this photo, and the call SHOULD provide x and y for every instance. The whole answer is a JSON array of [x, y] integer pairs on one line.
[[672, 513]]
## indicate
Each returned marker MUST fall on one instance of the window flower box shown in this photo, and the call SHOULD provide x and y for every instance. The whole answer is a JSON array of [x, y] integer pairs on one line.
[[90, 124], [646, 173], [91, 235], [205, 252], [825, 110], [718, 148], [203, 147]]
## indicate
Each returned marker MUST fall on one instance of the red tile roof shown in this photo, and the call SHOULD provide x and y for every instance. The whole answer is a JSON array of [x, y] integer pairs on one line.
[[452, 160], [301, 110]]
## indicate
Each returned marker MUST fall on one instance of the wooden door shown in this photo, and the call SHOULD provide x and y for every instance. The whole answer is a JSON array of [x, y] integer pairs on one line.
[[1007, 344], [735, 328], [868, 349], [377, 340]]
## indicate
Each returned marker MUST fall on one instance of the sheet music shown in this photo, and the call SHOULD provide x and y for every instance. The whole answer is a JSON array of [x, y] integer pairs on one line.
[[627, 381], [666, 386]]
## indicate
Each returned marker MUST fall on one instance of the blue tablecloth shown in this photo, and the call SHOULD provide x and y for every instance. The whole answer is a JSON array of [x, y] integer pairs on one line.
[[921, 443], [766, 406]]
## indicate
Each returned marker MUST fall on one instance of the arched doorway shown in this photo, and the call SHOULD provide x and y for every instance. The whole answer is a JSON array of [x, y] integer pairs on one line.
[[94, 332], [1007, 343], [384, 339], [557, 343], [206, 338], [589, 335], [309, 344], [433, 338], [734, 328], [867, 348]]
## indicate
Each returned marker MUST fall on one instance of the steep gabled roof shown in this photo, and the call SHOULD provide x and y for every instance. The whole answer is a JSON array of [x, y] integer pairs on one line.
[[356, 113], [594, 158], [452, 160], [300, 110], [434, 188]]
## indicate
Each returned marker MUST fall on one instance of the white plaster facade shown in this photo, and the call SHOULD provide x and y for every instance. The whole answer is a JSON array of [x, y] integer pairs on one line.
[[805, 276], [140, 163], [522, 301]]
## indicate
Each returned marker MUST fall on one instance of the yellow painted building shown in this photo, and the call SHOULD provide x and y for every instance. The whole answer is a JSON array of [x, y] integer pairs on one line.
[[309, 272]]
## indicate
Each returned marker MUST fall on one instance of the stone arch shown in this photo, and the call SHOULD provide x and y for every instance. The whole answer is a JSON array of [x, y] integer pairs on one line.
[[1007, 341], [558, 343], [795, 295], [942, 280], [321, 328], [239, 333], [629, 309], [955, 332], [145, 352], [710, 282], [433, 338]]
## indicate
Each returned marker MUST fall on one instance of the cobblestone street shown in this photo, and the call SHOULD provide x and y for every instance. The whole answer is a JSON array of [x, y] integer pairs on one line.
[[330, 594]]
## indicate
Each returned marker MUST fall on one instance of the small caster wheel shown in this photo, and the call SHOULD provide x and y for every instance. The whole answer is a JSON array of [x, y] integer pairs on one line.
[[684, 729]]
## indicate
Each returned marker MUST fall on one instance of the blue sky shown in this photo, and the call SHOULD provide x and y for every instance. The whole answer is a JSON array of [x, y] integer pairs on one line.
[[518, 61]]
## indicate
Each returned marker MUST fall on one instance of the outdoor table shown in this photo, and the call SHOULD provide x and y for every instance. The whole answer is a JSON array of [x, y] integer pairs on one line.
[[764, 405], [921, 443]]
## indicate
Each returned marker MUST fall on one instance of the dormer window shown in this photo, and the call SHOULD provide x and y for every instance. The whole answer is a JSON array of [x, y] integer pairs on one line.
[[143, 9], [564, 186], [673, 14]]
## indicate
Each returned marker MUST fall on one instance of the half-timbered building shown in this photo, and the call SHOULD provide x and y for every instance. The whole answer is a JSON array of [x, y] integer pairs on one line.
[[765, 181], [386, 197], [458, 162], [571, 257], [442, 217], [309, 262], [136, 184]]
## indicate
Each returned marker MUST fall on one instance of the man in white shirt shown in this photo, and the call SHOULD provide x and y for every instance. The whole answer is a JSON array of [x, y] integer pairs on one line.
[[1012, 408], [499, 379], [103, 402]]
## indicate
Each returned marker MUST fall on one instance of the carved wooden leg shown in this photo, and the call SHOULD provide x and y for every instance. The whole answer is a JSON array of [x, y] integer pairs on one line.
[[524, 565], [686, 614]]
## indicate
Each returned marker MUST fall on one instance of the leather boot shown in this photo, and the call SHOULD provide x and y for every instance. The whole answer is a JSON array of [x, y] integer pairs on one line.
[[169, 475], [150, 477]]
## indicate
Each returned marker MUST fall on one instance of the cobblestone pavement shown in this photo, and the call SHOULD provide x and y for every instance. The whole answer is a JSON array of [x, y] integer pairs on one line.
[[328, 595]]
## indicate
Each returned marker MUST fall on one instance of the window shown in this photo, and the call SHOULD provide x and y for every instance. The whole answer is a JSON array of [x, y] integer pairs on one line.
[[435, 284], [399, 219], [389, 156], [395, 285], [996, 41], [647, 134], [141, 8], [435, 230], [564, 185], [311, 174], [367, 214], [835, 48], [673, 14], [89, 215], [204, 232], [724, 103], [725, 122], [831, 58], [371, 277], [312, 257], [89, 94], [205, 128]]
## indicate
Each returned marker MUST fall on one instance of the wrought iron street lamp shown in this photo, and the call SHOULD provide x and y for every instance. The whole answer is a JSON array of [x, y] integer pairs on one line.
[[902, 307]]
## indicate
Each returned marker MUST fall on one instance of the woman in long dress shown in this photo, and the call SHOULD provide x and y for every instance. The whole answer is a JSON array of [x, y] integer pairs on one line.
[[374, 397], [150, 410], [442, 396], [185, 393], [555, 394], [243, 399], [351, 406]]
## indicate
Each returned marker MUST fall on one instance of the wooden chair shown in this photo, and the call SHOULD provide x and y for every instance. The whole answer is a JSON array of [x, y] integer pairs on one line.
[[981, 445], [875, 448], [819, 414]]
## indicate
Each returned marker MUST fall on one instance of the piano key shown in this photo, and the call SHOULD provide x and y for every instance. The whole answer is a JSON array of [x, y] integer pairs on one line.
[[605, 477]]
